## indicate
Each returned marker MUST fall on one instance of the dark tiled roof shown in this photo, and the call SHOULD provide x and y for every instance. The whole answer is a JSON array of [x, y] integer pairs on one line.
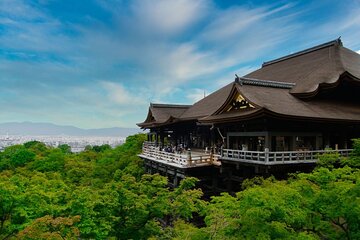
[[279, 87], [309, 69], [163, 113], [209, 104], [281, 102]]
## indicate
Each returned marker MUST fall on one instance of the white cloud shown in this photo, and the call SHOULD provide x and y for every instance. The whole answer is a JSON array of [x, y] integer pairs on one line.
[[347, 26], [358, 51], [169, 64], [229, 23], [120, 95], [196, 94], [155, 48], [168, 17], [29, 29], [19, 9], [230, 76]]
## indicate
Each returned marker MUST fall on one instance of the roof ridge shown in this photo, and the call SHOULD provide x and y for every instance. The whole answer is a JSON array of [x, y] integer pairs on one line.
[[169, 105], [265, 83], [305, 51]]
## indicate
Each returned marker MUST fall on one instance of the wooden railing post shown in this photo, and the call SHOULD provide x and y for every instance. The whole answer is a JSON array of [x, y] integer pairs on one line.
[[266, 155], [189, 157]]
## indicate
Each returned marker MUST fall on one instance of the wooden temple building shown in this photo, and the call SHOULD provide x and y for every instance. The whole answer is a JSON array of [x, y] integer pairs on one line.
[[277, 119]]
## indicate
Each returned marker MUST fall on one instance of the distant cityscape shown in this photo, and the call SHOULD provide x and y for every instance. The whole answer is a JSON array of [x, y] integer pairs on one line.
[[77, 143]]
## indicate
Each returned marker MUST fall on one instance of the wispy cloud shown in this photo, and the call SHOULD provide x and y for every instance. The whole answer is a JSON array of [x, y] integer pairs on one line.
[[167, 17], [118, 94], [96, 71], [194, 95]]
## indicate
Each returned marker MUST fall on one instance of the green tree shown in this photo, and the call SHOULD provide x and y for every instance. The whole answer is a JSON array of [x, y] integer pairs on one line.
[[65, 148], [54, 161], [47, 227], [10, 196], [16, 156]]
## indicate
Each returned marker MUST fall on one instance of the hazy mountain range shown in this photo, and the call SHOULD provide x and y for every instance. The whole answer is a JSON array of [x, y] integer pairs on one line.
[[34, 129]]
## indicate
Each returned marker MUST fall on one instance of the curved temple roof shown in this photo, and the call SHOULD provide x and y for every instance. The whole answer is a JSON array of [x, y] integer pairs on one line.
[[312, 68], [285, 87], [162, 113]]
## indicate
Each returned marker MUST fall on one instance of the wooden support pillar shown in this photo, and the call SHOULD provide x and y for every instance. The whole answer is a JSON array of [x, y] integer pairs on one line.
[[318, 142], [157, 139], [214, 182], [293, 147], [189, 140], [256, 169], [176, 181], [152, 136], [157, 167], [326, 141], [150, 167], [227, 141], [212, 137], [229, 181], [268, 140], [162, 139], [345, 143]]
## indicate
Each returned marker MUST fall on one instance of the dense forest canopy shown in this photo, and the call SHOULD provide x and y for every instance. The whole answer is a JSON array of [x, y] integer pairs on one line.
[[103, 193]]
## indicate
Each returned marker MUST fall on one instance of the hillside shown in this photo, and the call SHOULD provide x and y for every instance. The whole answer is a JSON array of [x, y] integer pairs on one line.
[[103, 193], [36, 129]]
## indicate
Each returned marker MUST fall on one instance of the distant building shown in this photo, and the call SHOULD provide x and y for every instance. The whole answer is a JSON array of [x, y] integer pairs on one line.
[[277, 119]]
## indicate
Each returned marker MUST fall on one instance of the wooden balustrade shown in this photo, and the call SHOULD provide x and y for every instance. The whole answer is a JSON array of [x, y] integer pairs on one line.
[[149, 144], [266, 157], [274, 158], [181, 160]]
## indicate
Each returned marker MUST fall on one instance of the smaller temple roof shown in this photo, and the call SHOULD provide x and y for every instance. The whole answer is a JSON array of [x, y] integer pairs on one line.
[[208, 105], [163, 113]]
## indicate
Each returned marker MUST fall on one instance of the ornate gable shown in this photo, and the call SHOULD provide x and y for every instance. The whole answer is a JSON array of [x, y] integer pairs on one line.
[[235, 102]]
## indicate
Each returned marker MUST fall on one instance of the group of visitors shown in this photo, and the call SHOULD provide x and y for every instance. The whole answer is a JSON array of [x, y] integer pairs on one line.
[[178, 149]]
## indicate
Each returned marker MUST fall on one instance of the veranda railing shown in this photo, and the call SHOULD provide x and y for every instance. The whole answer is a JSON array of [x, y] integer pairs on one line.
[[186, 159], [273, 158]]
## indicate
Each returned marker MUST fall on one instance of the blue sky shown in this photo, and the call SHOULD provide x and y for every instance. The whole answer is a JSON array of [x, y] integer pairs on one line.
[[98, 63]]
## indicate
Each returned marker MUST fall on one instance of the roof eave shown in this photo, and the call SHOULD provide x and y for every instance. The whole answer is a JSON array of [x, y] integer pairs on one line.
[[345, 76]]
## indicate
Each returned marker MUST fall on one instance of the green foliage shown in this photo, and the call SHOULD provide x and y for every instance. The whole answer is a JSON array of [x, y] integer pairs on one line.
[[329, 160], [50, 193], [31, 144], [54, 161], [66, 149], [335, 199], [356, 147], [269, 211], [103, 193], [9, 200], [39, 148], [354, 159], [48, 227], [15, 156]]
